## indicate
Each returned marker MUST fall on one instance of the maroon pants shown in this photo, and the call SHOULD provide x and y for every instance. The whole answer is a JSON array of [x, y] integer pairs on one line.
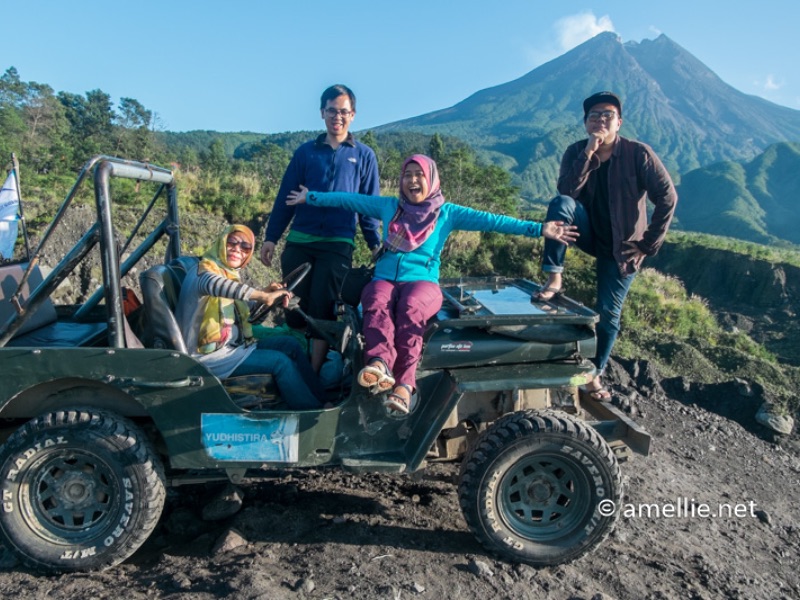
[[395, 317]]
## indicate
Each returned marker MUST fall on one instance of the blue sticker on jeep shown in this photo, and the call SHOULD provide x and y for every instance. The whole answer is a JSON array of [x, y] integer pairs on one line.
[[241, 438]]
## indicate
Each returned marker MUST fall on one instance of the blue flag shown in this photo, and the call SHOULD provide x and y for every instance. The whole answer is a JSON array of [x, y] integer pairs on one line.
[[9, 216]]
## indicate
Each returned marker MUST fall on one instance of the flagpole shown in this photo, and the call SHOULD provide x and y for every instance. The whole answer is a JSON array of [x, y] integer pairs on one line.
[[15, 167]]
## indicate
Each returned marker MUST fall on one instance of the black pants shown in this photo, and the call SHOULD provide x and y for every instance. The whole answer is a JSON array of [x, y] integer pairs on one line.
[[320, 289]]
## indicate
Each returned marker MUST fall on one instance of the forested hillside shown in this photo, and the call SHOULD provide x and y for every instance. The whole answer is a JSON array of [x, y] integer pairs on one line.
[[754, 201], [233, 175]]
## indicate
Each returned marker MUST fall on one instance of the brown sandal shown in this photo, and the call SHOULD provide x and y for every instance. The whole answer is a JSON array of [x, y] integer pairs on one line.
[[538, 296], [600, 394]]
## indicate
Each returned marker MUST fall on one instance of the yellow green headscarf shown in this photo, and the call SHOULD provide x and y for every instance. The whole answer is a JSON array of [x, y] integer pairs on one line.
[[220, 313]]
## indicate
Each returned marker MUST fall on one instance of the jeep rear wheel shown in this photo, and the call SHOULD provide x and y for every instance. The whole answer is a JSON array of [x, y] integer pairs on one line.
[[532, 488], [81, 490]]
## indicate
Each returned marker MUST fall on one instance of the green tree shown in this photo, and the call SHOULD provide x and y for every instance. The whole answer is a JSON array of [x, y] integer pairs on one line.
[[466, 182], [369, 139], [436, 147], [32, 123], [12, 89], [215, 161], [45, 146], [188, 158], [12, 124], [270, 161], [133, 126], [91, 123], [12, 130]]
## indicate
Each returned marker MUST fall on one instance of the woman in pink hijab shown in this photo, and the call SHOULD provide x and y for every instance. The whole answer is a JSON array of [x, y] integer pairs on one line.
[[404, 294]]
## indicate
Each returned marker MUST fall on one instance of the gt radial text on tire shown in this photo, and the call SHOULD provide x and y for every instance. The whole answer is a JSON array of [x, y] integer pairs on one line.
[[81, 490], [535, 488]]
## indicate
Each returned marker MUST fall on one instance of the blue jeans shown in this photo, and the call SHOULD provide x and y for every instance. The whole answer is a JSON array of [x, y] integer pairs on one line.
[[284, 357], [612, 286]]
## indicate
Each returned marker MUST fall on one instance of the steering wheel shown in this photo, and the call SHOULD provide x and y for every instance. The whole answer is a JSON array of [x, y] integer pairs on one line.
[[289, 283]]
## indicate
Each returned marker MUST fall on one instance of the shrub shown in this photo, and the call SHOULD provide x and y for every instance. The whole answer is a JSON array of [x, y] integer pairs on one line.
[[660, 302]]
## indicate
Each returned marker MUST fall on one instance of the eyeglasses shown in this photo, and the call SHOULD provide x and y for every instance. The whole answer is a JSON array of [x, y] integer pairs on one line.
[[603, 114], [245, 246], [342, 112]]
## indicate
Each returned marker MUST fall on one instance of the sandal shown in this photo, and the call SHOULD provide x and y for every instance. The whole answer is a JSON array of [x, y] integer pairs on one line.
[[396, 403], [376, 378], [601, 394], [556, 292]]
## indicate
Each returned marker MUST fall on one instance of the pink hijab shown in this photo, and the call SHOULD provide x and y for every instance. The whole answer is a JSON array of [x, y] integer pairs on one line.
[[412, 224]]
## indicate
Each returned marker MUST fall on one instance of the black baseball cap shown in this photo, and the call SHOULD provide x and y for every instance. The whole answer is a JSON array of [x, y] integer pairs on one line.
[[599, 98]]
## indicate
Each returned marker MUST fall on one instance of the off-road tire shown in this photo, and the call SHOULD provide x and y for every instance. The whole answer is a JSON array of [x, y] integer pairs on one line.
[[81, 490], [535, 488]]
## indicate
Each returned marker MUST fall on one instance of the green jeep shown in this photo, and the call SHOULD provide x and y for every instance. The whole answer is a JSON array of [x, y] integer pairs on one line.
[[102, 410]]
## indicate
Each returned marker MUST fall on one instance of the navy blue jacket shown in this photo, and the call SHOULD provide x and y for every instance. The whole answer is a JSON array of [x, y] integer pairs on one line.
[[352, 168]]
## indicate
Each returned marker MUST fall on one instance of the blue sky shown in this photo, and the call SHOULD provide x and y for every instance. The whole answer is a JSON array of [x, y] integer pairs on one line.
[[261, 65]]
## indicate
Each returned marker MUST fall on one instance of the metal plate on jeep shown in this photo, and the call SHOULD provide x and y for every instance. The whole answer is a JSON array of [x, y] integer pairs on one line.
[[240, 438], [499, 301]]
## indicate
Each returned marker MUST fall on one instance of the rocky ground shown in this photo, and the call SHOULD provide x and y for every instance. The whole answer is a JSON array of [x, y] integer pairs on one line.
[[329, 534]]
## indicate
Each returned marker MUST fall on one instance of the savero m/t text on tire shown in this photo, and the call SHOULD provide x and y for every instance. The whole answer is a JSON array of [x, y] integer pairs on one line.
[[81, 490], [531, 486]]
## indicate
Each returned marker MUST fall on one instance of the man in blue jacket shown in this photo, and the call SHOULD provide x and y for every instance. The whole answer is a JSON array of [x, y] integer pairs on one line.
[[333, 162]]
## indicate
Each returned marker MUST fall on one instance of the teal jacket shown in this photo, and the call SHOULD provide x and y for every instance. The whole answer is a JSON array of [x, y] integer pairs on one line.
[[423, 263]]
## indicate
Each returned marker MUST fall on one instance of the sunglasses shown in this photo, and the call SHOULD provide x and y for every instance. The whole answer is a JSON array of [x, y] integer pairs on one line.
[[245, 246]]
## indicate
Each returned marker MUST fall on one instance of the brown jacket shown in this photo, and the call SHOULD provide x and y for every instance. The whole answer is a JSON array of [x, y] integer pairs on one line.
[[634, 174]]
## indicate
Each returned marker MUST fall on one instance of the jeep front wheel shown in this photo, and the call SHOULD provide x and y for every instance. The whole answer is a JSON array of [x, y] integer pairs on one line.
[[81, 490], [533, 487]]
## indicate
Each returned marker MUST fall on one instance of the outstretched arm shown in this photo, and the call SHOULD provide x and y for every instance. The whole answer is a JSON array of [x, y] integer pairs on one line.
[[470, 219], [380, 207]]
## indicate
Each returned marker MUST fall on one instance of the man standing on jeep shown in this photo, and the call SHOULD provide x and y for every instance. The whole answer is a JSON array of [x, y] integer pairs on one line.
[[334, 162], [604, 181]]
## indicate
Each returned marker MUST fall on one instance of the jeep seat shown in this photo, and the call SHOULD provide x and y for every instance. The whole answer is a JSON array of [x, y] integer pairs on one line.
[[161, 289], [43, 328]]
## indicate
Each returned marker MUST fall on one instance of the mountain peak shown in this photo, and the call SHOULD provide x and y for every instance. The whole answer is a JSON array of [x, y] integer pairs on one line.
[[672, 101], [605, 36]]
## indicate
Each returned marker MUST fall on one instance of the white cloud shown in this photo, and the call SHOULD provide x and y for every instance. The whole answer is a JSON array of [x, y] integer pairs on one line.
[[576, 29], [771, 85], [567, 33]]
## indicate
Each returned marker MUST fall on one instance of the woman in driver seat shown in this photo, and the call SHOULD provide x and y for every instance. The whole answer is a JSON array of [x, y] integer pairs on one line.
[[213, 311]]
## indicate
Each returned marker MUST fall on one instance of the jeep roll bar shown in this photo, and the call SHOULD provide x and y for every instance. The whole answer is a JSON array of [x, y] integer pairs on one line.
[[101, 231]]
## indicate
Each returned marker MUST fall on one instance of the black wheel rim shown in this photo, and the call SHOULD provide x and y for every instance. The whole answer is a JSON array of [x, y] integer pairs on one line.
[[70, 496], [544, 497]]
